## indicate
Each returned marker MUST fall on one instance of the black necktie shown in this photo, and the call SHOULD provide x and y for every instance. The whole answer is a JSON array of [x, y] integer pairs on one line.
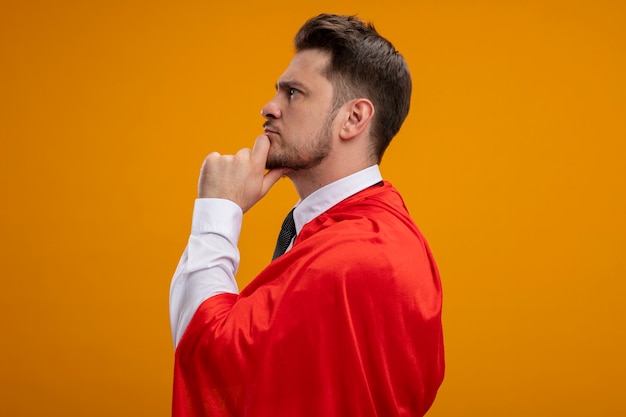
[[287, 232]]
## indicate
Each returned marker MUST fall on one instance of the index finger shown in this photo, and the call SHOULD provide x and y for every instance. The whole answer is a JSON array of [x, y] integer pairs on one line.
[[260, 149]]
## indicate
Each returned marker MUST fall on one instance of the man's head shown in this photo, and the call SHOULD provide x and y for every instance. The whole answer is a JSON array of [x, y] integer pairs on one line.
[[362, 64]]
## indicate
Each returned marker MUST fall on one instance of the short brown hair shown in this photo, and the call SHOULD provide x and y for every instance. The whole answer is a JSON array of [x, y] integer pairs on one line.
[[362, 64]]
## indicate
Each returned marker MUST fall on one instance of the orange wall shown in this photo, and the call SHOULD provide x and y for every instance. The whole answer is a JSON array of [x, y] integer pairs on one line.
[[512, 162]]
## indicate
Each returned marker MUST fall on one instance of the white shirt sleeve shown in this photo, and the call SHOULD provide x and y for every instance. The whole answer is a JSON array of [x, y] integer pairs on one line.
[[209, 263]]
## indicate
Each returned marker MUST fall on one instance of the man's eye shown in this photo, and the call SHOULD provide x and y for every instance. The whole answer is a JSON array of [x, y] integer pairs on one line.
[[292, 91]]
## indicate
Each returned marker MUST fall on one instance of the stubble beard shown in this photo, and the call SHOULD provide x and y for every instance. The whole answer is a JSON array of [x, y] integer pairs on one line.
[[305, 157]]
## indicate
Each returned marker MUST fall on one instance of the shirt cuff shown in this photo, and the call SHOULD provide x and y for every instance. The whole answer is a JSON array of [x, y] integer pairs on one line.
[[217, 215]]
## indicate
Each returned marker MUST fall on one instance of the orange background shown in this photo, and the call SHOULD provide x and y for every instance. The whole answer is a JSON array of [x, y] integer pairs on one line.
[[512, 162]]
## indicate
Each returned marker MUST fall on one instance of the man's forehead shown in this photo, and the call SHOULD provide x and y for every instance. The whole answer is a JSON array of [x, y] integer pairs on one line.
[[305, 65]]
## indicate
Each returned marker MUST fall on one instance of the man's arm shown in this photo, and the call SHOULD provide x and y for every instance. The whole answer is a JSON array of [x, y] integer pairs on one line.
[[209, 262], [229, 186]]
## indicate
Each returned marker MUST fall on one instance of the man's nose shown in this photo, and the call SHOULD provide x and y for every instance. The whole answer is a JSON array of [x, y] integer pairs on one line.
[[271, 110]]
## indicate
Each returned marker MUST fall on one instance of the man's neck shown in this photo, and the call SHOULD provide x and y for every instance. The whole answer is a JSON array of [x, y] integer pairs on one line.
[[311, 180]]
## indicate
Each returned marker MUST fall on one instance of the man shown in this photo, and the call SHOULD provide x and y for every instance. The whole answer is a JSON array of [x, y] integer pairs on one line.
[[347, 322]]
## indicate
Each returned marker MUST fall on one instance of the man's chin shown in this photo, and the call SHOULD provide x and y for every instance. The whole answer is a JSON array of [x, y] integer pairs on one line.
[[274, 165], [277, 163]]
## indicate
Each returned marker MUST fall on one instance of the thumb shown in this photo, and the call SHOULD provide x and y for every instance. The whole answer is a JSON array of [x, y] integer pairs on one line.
[[270, 178]]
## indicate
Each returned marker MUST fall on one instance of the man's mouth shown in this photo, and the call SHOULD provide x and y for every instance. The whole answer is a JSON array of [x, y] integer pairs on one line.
[[267, 128], [268, 131]]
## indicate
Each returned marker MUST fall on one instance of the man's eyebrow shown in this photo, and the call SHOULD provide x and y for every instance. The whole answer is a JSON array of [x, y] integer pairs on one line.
[[284, 84]]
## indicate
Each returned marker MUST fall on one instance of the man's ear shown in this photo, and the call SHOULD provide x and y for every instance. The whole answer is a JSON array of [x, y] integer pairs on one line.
[[360, 114]]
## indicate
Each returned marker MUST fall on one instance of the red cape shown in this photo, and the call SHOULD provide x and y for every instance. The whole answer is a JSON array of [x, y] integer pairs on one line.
[[347, 323]]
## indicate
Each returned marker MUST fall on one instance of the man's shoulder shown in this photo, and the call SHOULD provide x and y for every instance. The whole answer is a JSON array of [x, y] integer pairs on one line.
[[376, 210]]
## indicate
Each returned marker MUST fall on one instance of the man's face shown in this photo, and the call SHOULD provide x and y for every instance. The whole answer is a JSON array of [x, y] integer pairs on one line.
[[300, 116]]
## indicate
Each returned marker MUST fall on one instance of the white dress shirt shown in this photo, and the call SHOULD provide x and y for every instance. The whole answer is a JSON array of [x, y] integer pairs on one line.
[[210, 260]]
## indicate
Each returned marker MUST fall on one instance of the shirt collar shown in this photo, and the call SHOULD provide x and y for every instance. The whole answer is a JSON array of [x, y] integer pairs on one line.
[[329, 195]]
